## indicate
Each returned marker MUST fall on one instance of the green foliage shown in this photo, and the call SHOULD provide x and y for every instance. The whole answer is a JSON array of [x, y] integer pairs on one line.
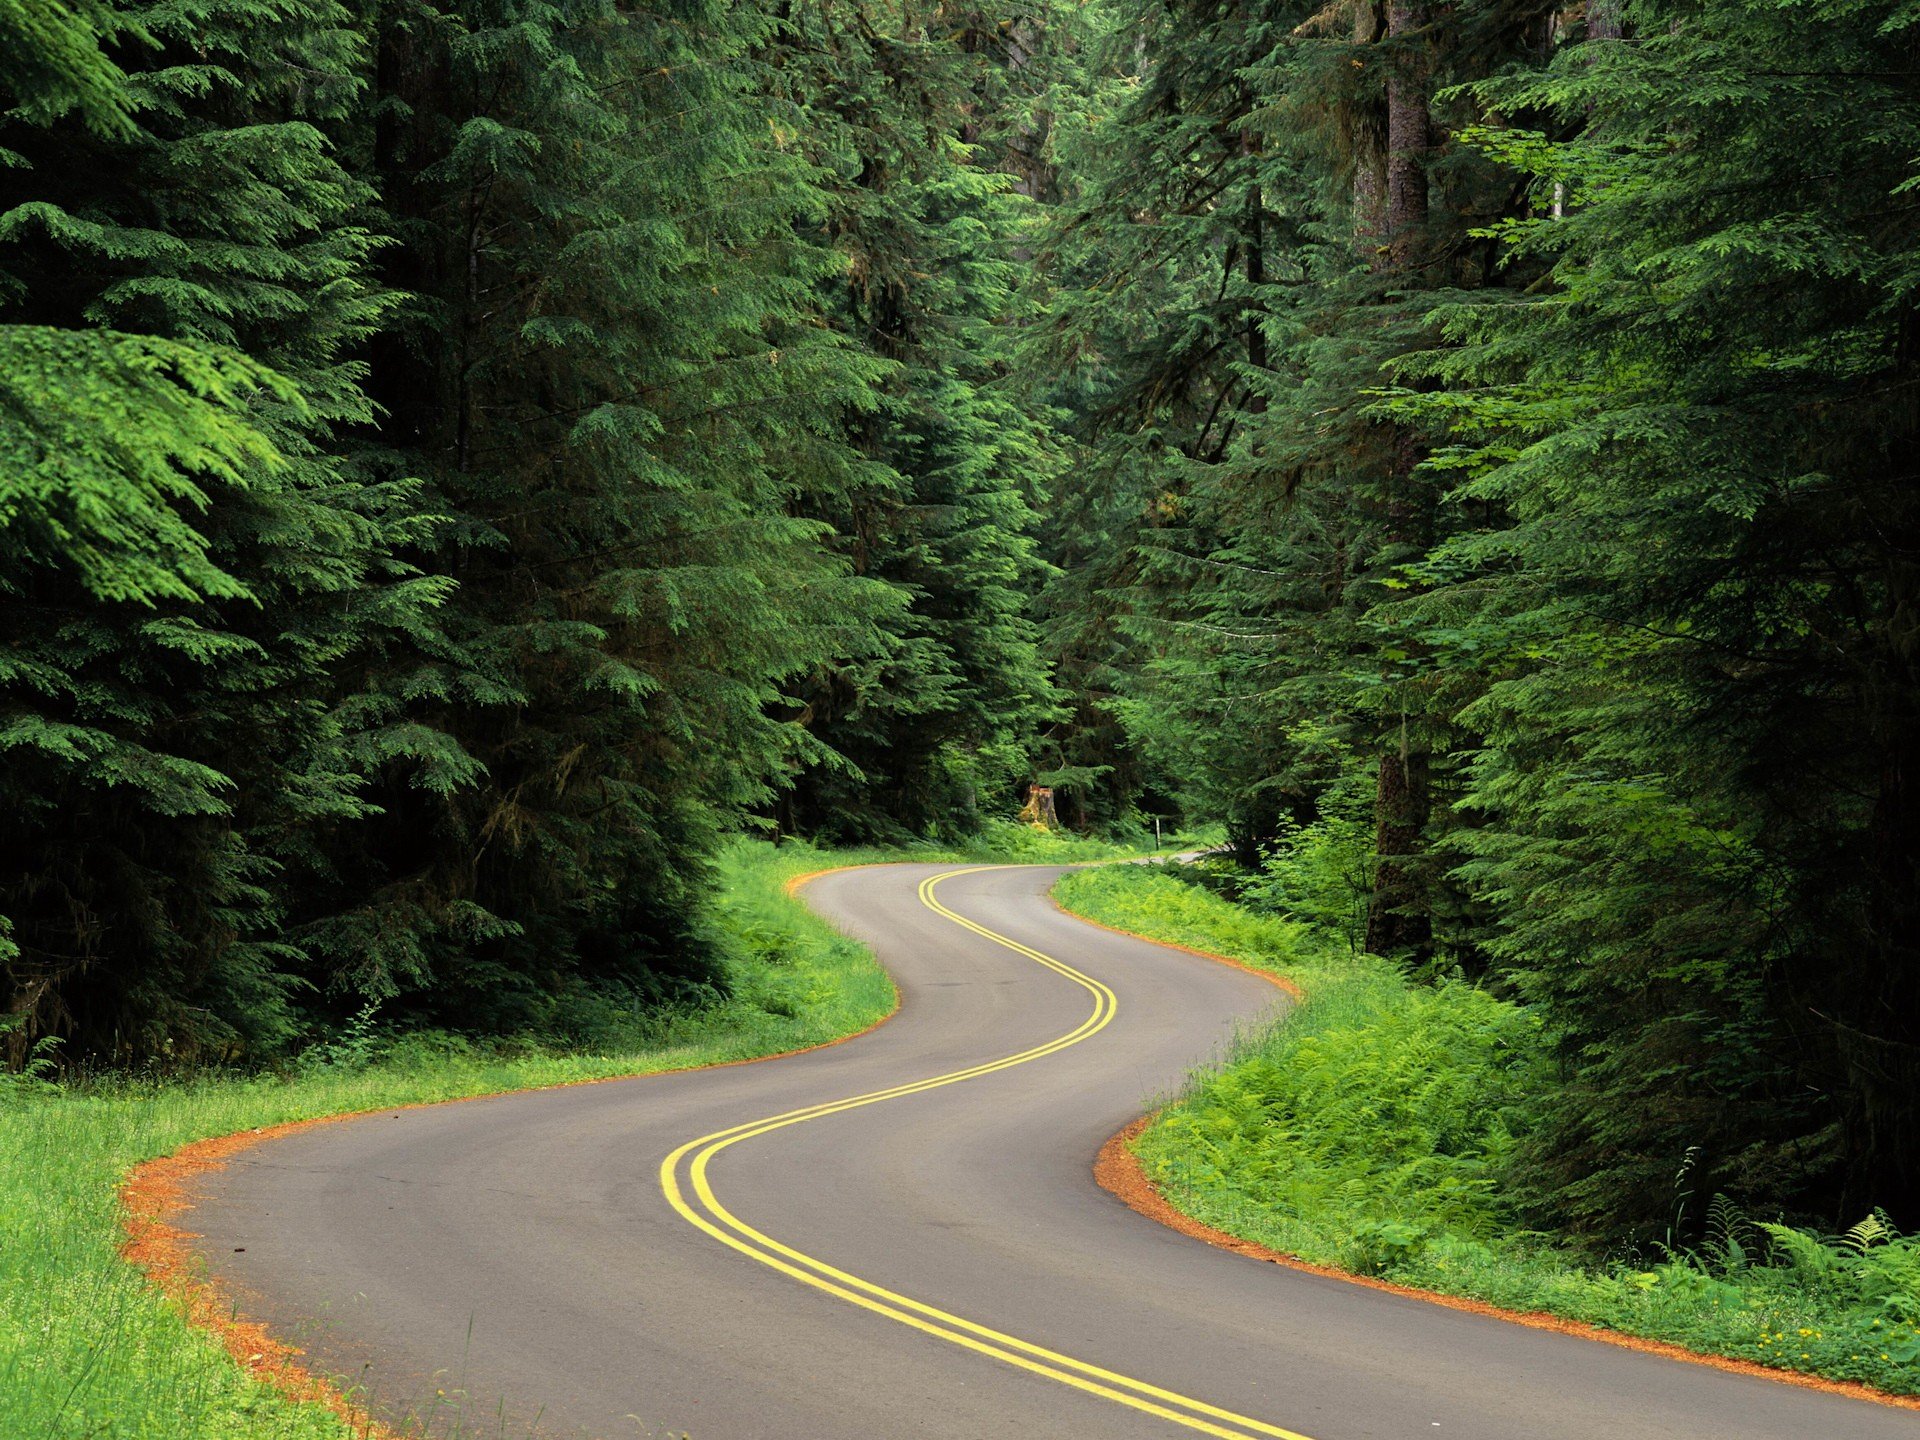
[[1378, 1105], [930, 730], [1164, 906], [1321, 874], [187, 559], [1373, 1115], [609, 379], [1693, 822], [461, 461], [111, 445], [457, 462], [1507, 411], [1012, 843], [52, 61]]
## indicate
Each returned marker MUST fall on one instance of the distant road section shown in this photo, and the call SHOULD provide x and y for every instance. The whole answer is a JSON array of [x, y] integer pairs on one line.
[[898, 1238]]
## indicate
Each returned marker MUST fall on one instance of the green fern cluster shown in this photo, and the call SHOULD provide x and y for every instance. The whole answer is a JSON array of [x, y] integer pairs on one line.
[[1871, 1264], [1376, 1104]]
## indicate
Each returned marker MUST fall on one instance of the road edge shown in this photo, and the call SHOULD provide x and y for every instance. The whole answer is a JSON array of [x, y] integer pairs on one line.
[[1118, 1171], [157, 1192]]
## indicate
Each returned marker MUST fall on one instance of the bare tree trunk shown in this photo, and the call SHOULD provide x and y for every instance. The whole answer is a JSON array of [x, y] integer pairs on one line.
[[1409, 126], [1039, 811], [1369, 176], [1397, 918], [1369, 208]]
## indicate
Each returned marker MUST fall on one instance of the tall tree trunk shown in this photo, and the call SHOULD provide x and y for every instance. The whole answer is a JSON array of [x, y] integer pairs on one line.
[[1369, 173], [1409, 126], [1398, 918]]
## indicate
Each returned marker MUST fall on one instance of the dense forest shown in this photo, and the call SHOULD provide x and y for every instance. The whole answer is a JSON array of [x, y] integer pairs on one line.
[[462, 459]]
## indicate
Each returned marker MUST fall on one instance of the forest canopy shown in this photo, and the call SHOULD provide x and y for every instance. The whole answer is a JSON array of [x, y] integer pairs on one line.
[[460, 462]]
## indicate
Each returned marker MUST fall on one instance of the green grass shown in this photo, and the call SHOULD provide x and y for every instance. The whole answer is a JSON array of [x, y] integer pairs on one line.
[[1369, 1130], [89, 1351]]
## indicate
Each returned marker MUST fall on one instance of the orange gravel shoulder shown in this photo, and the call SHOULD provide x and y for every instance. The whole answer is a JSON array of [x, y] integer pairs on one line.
[[153, 1198]]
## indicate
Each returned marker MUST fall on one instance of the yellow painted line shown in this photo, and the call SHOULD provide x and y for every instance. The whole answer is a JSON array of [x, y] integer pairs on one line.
[[730, 1230]]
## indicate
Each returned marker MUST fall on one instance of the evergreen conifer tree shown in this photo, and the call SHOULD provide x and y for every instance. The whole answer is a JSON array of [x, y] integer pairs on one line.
[[1697, 782], [609, 379], [182, 282], [938, 726]]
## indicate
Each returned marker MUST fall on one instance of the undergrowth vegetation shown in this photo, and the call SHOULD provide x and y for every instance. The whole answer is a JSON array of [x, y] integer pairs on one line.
[[1375, 1128]]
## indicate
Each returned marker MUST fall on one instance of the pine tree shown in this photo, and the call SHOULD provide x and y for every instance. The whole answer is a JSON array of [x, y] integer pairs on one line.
[[181, 284], [938, 726], [1697, 787], [1155, 327], [1250, 255], [610, 379]]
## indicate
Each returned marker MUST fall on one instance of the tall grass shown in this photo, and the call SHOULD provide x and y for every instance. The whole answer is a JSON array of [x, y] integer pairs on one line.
[[1371, 1130]]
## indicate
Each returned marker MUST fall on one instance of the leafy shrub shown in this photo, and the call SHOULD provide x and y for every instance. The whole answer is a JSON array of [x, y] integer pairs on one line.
[[1380, 1246], [355, 1044], [1322, 874]]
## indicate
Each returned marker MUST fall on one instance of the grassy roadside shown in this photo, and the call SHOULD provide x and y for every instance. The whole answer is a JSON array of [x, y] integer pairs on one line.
[[1367, 1130], [88, 1350]]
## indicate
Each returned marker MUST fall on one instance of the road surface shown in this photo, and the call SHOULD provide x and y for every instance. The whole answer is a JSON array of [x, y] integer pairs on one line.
[[742, 1254]]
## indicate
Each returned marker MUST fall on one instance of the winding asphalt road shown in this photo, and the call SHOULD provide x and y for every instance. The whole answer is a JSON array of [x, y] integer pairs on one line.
[[929, 1262]]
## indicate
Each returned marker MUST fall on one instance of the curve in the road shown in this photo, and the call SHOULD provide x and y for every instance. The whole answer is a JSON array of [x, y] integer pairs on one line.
[[517, 1254], [710, 1215]]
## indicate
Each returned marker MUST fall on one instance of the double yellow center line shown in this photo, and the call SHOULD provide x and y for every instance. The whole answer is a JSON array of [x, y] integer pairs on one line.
[[705, 1211]]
